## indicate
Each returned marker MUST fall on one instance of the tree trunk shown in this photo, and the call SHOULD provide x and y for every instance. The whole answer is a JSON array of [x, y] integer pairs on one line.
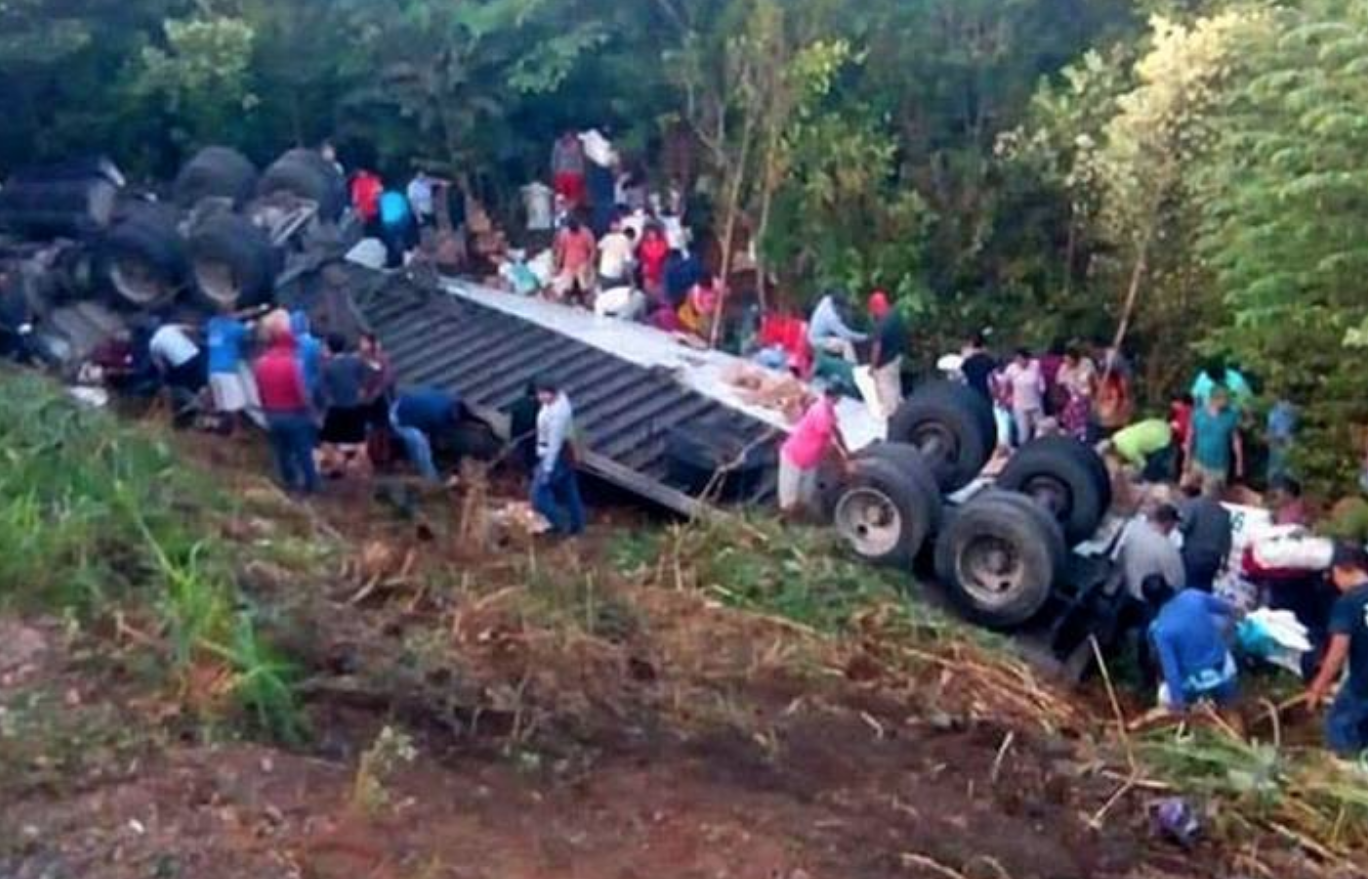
[[761, 278], [737, 181], [1070, 250], [766, 204], [1132, 295]]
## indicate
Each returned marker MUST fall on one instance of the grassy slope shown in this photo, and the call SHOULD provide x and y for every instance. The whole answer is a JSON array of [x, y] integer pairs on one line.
[[103, 521]]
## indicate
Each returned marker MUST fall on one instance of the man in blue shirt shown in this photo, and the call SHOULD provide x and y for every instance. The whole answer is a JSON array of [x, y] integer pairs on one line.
[[1282, 428], [398, 230], [418, 416], [1189, 640], [682, 272], [226, 338], [1346, 726], [310, 352]]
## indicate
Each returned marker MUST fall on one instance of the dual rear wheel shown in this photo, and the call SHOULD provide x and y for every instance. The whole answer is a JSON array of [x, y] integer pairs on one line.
[[1002, 553]]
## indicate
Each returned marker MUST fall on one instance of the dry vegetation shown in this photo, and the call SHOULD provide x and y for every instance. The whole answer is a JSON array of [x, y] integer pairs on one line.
[[732, 675]]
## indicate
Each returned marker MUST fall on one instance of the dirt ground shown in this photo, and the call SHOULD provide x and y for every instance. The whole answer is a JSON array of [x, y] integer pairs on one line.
[[843, 781], [608, 736]]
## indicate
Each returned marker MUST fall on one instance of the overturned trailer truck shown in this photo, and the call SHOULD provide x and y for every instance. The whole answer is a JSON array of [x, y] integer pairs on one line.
[[1028, 549], [84, 257]]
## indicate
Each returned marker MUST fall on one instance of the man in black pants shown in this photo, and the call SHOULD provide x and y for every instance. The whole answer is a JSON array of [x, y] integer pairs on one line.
[[1206, 533]]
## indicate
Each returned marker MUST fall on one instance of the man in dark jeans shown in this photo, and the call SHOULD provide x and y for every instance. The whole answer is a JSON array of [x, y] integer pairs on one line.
[[1206, 533], [422, 418], [555, 487], [289, 415], [1346, 726], [522, 429]]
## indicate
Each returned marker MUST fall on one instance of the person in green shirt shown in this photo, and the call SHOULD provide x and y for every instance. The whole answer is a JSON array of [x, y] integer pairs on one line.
[[1147, 446]]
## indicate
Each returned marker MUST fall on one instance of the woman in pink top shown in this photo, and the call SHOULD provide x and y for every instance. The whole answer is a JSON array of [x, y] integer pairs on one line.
[[815, 435]]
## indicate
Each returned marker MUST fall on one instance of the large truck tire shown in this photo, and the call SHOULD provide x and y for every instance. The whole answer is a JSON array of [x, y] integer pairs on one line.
[[305, 174], [953, 428], [142, 257], [216, 172], [881, 515], [232, 263], [71, 208], [913, 467], [1000, 558], [1066, 478]]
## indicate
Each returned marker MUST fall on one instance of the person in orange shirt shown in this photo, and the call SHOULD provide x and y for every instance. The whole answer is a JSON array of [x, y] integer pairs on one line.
[[700, 308], [575, 251]]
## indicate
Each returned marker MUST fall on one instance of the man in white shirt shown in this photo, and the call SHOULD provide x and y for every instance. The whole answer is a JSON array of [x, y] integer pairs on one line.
[[181, 363], [624, 302], [1147, 549], [617, 252], [539, 204], [420, 198], [555, 488], [1027, 385]]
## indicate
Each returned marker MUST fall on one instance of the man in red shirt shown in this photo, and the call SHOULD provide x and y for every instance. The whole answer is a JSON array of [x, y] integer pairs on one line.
[[289, 417], [366, 189]]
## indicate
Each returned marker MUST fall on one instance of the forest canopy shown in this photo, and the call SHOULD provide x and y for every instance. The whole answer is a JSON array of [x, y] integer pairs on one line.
[[1052, 168]]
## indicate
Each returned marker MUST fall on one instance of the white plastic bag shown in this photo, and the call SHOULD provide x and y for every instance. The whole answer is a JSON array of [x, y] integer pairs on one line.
[[1296, 551], [598, 149]]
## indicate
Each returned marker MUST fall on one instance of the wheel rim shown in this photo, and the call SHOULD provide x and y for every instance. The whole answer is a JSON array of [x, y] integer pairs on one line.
[[935, 442], [217, 281], [1050, 494], [137, 280], [990, 570], [869, 521]]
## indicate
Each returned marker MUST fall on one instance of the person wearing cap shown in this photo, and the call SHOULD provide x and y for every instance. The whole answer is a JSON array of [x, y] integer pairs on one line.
[[555, 487], [828, 331], [1346, 724], [890, 346], [801, 455]]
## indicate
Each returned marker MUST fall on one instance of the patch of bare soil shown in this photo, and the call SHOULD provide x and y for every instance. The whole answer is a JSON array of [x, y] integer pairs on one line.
[[754, 772]]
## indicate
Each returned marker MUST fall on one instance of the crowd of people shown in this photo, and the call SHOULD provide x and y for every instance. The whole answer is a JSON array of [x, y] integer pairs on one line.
[[331, 408], [398, 216], [1186, 598], [1188, 606], [616, 247]]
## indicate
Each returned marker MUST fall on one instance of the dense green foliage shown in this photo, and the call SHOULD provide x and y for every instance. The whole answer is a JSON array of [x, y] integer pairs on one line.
[[1053, 168], [1286, 199]]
